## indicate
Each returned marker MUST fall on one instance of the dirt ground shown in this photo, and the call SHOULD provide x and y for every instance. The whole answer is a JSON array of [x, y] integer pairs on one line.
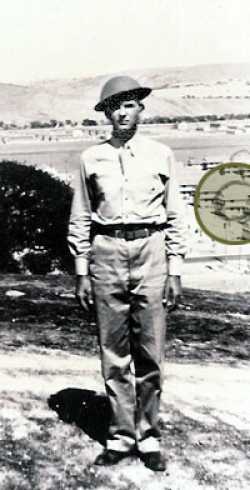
[[47, 346]]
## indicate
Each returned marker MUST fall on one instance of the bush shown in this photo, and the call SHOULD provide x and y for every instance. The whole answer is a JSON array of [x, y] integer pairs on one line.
[[37, 262], [34, 213]]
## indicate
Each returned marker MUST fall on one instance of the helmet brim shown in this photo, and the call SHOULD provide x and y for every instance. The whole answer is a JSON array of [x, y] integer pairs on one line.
[[137, 93]]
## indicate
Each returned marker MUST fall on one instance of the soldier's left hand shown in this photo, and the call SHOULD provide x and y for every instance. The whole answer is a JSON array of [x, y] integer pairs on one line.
[[173, 292]]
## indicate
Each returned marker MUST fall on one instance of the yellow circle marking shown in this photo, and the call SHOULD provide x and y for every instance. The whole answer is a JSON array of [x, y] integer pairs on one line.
[[222, 203]]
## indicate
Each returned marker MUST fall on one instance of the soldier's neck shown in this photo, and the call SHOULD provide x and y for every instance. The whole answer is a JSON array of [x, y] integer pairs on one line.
[[120, 138]]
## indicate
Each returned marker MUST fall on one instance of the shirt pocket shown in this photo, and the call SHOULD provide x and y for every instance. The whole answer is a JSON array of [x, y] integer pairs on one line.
[[149, 185]]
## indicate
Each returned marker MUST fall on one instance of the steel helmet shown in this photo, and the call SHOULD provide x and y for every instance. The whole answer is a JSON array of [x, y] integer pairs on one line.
[[121, 85]]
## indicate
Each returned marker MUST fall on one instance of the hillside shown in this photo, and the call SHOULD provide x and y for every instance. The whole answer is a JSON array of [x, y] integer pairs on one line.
[[203, 89]]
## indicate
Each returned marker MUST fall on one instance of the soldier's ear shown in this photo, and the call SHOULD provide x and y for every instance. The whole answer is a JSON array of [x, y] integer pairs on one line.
[[142, 107]]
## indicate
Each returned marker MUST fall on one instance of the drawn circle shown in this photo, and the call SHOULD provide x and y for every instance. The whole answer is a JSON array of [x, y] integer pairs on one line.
[[222, 203]]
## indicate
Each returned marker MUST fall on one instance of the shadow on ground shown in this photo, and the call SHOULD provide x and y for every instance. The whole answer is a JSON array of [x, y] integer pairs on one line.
[[88, 409]]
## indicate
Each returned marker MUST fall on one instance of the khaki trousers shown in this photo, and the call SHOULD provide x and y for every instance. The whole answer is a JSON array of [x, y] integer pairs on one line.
[[128, 282]]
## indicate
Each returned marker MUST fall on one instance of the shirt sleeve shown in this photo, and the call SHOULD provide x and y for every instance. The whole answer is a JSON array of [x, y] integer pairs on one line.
[[176, 229], [80, 223]]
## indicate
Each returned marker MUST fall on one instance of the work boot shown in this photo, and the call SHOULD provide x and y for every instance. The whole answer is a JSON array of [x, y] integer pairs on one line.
[[110, 457]]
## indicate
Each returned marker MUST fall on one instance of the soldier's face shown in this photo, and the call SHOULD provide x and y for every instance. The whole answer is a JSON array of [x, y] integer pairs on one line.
[[124, 114]]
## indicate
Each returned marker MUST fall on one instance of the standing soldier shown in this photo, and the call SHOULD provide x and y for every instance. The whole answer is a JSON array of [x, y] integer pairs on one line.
[[126, 233]]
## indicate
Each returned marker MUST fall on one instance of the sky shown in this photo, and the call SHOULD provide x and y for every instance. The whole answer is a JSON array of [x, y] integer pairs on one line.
[[47, 39]]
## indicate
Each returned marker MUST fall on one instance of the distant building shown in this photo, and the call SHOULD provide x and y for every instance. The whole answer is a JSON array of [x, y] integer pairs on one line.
[[188, 179]]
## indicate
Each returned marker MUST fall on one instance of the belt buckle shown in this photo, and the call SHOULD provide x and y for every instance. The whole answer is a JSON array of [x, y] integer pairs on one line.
[[133, 234], [129, 235], [120, 233]]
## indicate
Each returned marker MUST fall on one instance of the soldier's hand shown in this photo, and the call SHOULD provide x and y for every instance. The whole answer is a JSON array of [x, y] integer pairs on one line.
[[83, 292], [173, 292]]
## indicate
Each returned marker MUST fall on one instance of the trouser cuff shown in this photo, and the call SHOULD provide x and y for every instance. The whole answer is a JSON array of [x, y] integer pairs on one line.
[[125, 444], [151, 444]]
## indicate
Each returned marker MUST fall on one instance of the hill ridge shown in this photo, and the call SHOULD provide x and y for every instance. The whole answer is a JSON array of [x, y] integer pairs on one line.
[[74, 98]]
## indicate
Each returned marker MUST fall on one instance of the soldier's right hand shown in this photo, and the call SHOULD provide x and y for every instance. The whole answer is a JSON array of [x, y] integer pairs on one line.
[[83, 292]]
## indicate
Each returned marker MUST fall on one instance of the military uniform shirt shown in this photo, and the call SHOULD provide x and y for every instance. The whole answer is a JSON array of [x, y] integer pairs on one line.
[[133, 184]]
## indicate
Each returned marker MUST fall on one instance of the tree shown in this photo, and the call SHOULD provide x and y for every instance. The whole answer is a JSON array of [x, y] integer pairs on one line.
[[53, 123], [34, 211], [89, 122]]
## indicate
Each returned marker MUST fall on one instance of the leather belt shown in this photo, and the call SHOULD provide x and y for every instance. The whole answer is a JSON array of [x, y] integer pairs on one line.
[[127, 232]]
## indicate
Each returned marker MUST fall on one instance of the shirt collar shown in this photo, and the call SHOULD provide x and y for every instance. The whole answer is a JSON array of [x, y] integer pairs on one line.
[[130, 145]]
